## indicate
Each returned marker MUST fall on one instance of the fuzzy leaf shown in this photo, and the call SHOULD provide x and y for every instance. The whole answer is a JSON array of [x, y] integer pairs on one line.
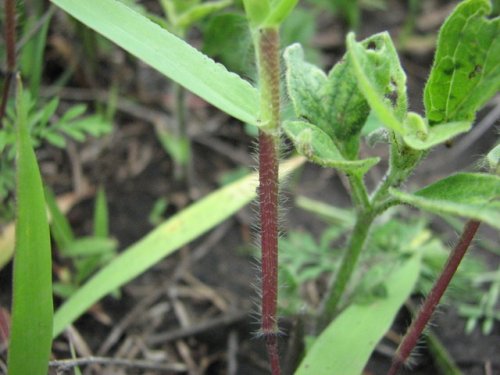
[[333, 103], [169, 55], [346, 345], [346, 107], [420, 136], [316, 145], [472, 195], [466, 69], [380, 77], [304, 83]]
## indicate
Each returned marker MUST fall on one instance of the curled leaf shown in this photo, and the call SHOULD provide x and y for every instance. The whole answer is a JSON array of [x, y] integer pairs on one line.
[[318, 147]]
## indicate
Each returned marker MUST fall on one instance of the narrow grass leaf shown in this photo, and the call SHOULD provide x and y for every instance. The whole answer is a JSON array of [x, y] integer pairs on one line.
[[168, 54], [101, 225], [346, 345], [162, 241], [471, 195], [59, 225], [32, 310]]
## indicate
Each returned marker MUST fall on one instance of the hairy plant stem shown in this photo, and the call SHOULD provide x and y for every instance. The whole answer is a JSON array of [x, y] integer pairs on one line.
[[432, 300], [356, 243], [403, 161], [10, 42], [267, 49]]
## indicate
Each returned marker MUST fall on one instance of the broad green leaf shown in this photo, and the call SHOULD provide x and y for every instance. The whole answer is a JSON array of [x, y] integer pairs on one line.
[[32, 310], [380, 77], [466, 69], [346, 109], [472, 195], [420, 136], [162, 241], [169, 55], [304, 84], [333, 103], [316, 145], [345, 346]]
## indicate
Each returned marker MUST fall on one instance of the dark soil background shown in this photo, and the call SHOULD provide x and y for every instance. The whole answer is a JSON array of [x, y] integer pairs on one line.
[[196, 307]]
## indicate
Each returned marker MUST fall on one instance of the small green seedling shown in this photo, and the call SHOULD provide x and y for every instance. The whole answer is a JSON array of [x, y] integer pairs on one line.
[[86, 254]]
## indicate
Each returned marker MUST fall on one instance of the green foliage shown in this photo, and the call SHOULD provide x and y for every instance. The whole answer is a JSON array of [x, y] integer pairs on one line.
[[420, 136], [493, 160], [228, 38], [268, 13], [44, 125], [353, 335], [162, 241], [380, 78], [486, 309], [318, 147], [86, 254], [32, 309], [334, 108], [169, 55], [472, 195], [466, 69], [183, 14]]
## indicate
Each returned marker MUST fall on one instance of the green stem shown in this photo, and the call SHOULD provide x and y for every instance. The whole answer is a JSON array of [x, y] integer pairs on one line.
[[402, 162], [359, 194], [356, 244]]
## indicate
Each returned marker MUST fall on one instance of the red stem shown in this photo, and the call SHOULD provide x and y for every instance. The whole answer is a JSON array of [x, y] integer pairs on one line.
[[10, 41], [269, 74], [440, 286], [268, 194]]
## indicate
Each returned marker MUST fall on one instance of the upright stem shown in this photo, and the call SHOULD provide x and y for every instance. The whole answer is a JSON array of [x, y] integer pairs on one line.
[[356, 244], [10, 41], [440, 286], [267, 47]]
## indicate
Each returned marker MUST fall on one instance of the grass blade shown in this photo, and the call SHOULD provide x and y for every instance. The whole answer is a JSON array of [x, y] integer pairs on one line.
[[168, 54], [346, 344], [32, 309], [162, 241]]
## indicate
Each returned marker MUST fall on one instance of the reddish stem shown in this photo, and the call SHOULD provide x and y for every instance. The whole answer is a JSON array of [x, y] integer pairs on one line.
[[10, 41], [268, 194], [269, 75], [440, 286]]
